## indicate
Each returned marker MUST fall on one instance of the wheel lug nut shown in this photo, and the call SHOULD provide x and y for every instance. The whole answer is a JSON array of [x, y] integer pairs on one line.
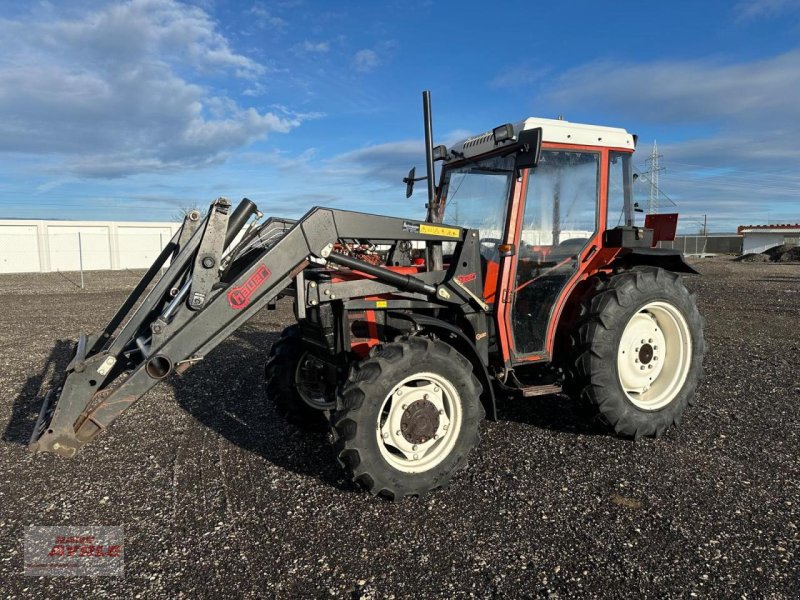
[[441, 412], [416, 456], [399, 432], [444, 427], [385, 434], [425, 396], [435, 389], [636, 360], [436, 436], [399, 392], [650, 341], [414, 447], [642, 367], [649, 366], [655, 358]]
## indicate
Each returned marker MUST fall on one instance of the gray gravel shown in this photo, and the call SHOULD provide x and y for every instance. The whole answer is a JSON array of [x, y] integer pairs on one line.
[[219, 497]]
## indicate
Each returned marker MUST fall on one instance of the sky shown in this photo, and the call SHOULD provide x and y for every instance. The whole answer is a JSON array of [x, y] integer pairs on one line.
[[136, 110]]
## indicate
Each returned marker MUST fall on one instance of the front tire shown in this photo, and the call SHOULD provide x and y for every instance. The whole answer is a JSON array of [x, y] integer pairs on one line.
[[408, 417], [639, 351], [297, 383]]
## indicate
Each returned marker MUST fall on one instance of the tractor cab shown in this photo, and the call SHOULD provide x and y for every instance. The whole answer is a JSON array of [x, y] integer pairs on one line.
[[540, 224]]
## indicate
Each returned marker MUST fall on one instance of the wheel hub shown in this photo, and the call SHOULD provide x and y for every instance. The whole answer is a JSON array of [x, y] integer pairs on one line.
[[312, 383], [645, 354], [419, 422], [415, 430]]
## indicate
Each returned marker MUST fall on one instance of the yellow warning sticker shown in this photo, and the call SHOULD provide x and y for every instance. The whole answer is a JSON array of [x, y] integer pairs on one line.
[[381, 304], [438, 230]]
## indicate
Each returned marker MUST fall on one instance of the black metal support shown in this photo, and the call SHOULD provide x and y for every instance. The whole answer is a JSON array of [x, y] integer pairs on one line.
[[134, 296], [241, 215], [426, 110]]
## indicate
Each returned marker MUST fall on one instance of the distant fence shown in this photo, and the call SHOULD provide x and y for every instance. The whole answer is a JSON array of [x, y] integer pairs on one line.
[[45, 246], [706, 244]]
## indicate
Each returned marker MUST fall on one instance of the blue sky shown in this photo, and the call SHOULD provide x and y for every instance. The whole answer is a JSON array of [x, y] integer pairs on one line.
[[132, 110]]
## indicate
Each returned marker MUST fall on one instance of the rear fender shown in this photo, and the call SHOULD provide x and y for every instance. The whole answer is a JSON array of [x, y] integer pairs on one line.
[[665, 258]]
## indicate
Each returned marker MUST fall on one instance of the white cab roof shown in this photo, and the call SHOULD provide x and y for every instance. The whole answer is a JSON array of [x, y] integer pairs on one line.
[[554, 131]]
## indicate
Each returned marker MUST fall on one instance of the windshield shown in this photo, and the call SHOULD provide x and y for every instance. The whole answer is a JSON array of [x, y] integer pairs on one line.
[[476, 197]]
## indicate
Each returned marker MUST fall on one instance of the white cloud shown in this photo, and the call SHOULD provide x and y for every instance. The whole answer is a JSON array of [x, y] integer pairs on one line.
[[315, 47], [734, 127], [758, 9], [365, 60], [265, 19], [119, 91]]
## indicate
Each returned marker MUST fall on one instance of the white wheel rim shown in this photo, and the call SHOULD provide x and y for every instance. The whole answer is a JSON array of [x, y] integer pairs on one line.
[[654, 355], [310, 392], [415, 445]]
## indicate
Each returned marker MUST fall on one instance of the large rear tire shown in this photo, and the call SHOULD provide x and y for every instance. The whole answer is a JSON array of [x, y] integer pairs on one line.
[[297, 383], [408, 417], [638, 352]]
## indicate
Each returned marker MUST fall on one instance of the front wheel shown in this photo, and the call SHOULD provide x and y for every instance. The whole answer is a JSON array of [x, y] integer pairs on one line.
[[299, 384], [639, 351], [407, 417]]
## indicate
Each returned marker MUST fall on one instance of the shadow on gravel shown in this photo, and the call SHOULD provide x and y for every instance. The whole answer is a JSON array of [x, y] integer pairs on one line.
[[557, 413], [28, 402], [225, 392]]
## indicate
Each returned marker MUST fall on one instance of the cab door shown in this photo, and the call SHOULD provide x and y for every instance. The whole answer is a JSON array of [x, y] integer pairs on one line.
[[558, 220]]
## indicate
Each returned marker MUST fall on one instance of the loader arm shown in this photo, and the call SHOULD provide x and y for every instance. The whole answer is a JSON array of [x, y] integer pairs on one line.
[[210, 289]]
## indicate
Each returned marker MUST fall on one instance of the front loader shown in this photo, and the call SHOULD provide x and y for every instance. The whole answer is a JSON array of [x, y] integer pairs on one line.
[[407, 330]]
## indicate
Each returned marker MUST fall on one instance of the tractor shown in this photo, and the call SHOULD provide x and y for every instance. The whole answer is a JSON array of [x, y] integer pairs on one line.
[[528, 277]]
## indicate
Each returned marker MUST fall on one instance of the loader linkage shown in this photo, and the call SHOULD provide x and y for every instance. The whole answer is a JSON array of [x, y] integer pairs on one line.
[[214, 284]]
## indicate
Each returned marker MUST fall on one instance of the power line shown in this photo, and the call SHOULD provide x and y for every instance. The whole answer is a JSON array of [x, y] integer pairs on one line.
[[653, 169]]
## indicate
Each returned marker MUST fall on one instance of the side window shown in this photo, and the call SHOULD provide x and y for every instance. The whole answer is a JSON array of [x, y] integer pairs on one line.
[[561, 203], [619, 185]]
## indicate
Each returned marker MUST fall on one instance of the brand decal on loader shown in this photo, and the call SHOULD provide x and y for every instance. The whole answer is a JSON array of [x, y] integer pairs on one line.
[[239, 297], [438, 230], [467, 277]]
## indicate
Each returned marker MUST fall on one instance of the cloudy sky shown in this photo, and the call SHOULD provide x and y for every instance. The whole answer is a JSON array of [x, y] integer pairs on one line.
[[132, 110]]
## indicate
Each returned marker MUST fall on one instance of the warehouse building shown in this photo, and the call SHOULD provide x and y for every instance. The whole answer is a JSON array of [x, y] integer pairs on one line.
[[760, 238]]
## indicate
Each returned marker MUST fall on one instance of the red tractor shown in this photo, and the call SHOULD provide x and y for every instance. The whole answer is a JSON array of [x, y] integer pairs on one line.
[[540, 282]]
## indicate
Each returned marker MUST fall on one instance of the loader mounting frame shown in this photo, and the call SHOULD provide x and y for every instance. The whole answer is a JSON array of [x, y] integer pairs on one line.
[[212, 286]]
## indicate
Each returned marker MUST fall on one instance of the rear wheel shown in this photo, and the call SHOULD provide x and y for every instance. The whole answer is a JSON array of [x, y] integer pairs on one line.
[[407, 418], [639, 351], [299, 384]]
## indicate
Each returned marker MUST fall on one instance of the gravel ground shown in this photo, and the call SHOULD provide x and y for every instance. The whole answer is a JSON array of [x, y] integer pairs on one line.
[[218, 496]]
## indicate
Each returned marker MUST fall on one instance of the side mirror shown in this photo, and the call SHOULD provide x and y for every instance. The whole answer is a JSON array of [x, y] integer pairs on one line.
[[409, 181]]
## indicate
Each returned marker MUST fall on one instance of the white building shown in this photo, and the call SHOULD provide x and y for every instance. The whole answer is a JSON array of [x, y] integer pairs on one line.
[[44, 246], [759, 238]]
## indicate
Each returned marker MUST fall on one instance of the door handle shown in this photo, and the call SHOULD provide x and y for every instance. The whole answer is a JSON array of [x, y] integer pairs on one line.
[[590, 253]]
